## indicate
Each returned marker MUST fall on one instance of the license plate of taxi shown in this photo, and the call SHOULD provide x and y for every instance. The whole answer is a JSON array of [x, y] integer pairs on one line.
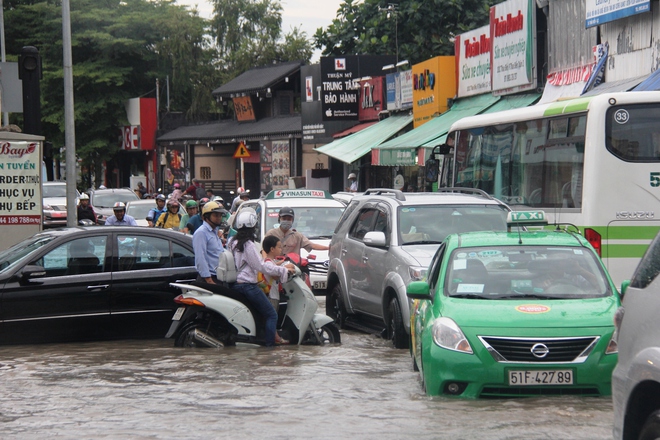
[[320, 285], [178, 314], [540, 377]]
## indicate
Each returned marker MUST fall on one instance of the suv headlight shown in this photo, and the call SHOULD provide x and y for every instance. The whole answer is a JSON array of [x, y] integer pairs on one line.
[[447, 334], [417, 273]]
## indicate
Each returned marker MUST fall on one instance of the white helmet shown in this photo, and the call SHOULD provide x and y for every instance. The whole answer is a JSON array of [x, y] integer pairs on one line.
[[352, 176], [246, 218], [84, 196]]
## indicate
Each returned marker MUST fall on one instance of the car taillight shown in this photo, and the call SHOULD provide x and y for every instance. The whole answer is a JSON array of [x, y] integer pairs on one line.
[[594, 239]]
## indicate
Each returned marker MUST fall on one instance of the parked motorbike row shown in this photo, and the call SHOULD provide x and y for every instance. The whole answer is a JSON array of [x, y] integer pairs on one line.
[[217, 316]]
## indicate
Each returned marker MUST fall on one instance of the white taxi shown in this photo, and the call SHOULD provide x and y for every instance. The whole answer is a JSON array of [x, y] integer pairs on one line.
[[316, 216]]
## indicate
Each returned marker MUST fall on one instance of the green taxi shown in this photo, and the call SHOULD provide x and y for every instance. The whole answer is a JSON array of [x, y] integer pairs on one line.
[[515, 313]]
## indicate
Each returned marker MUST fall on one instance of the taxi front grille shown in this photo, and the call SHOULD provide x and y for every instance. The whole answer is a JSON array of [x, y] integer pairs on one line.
[[539, 350], [498, 392], [317, 268]]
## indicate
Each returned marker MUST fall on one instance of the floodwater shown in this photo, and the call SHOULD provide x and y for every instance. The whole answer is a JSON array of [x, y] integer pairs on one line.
[[361, 389]]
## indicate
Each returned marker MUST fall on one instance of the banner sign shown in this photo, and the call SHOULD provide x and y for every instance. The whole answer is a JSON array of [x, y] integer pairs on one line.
[[20, 183], [473, 61], [604, 11], [243, 108], [339, 88], [399, 90], [513, 46]]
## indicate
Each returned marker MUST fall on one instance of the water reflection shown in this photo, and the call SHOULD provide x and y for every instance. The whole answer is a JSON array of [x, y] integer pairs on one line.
[[361, 389]]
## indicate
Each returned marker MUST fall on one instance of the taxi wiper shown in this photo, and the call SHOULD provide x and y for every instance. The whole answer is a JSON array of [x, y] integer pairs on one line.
[[422, 242], [526, 296], [469, 296]]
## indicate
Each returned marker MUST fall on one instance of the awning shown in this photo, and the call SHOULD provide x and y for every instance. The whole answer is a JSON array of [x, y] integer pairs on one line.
[[617, 86], [651, 83], [505, 103], [402, 150], [351, 148], [353, 129]]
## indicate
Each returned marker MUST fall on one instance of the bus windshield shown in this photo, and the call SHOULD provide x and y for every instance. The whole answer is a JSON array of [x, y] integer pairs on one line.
[[535, 162]]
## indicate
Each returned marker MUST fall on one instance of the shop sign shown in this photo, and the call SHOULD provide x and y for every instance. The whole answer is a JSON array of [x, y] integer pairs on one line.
[[473, 61], [399, 90], [371, 99], [20, 184], [604, 11], [339, 88], [398, 156], [434, 81], [513, 53], [131, 137], [243, 108]]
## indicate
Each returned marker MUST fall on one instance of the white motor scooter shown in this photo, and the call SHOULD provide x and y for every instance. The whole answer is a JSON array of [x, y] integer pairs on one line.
[[224, 317]]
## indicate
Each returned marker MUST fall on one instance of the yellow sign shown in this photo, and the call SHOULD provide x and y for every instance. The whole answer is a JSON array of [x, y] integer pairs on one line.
[[241, 151], [434, 81]]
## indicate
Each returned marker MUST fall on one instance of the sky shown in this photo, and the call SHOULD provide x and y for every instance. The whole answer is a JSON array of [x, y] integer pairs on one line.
[[308, 15]]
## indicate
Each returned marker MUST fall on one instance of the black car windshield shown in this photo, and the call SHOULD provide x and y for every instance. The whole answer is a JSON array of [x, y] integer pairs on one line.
[[10, 257], [520, 272], [432, 223]]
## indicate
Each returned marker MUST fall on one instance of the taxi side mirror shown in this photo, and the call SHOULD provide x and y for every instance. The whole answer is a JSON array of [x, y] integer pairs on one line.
[[419, 290], [624, 287]]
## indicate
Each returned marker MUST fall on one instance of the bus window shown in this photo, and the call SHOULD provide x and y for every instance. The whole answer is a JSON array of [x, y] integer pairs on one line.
[[632, 132]]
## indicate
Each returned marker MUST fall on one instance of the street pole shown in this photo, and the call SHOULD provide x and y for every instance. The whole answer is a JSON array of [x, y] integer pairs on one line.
[[69, 119]]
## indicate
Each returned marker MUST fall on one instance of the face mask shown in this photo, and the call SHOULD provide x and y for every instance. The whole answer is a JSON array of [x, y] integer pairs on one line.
[[286, 224]]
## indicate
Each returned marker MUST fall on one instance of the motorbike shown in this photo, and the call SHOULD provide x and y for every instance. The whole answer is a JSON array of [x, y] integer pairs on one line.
[[222, 317]]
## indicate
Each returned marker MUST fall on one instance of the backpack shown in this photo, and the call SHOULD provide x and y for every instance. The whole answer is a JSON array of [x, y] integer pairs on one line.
[[200, 193], [226, 270]]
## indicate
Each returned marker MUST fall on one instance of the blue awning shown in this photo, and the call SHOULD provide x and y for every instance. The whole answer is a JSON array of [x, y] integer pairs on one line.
[[649, 84]]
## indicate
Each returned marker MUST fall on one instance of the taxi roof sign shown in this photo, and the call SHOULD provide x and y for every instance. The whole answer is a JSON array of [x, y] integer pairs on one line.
[[526, 218], [298, 193]]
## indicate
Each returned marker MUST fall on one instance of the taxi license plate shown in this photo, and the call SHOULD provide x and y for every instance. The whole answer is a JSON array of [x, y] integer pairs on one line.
[[540, 377], [178, 314], [320, 284]]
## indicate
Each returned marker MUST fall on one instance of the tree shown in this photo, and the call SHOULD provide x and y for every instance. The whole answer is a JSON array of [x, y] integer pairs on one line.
[[421, 29], [119, 48], [248, 34]]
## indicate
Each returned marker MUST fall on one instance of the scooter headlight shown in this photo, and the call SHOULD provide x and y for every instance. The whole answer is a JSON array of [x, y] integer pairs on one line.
[[447, 334]]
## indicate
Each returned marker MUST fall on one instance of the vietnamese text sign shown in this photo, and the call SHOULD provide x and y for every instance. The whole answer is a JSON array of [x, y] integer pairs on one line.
[[20, 183], [512, 28], [339, 91], [473, 61], [603, 11], [243, 108]]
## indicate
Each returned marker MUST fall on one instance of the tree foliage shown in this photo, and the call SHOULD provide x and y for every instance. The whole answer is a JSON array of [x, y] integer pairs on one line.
[[420, 29]]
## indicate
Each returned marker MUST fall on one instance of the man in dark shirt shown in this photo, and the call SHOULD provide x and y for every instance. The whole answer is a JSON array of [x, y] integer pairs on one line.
[[85, 210]]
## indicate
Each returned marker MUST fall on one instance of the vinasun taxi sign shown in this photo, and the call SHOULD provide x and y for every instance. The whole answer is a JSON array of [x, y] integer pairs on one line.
[[532, 308], [298, 193]]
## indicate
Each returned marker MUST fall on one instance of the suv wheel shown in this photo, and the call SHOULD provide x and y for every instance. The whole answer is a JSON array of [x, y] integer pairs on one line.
[[651, 428], [334, 306], [395, 329]]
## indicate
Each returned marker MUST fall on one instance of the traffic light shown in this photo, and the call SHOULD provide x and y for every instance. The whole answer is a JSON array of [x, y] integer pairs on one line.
[[29, 71]]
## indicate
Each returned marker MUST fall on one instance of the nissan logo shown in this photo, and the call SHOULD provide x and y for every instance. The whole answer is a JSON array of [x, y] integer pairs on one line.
[[540, 350]]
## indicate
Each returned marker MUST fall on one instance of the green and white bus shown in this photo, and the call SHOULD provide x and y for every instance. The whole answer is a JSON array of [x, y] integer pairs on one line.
[[593, 162]]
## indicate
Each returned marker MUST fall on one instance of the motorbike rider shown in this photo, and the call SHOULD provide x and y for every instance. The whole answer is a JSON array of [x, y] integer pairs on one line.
[[85, 210], [171, 218], [243, 194], [249, 263], [195, 221], [154, 213], [207, 243], [292, 240], [176, 192], [120, 218], [192, 208]]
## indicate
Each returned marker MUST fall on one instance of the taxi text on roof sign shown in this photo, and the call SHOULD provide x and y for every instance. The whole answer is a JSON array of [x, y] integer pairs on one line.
[[297, 193], [527, 218]]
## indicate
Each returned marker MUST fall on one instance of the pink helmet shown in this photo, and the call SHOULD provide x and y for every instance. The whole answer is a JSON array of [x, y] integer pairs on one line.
[[177, 186]]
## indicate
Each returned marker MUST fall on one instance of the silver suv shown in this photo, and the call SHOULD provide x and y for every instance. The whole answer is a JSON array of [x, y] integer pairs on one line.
[[636, 378], [386, 239]]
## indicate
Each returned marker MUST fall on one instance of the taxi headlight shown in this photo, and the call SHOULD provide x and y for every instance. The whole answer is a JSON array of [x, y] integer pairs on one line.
[[447, 334], [417, 273]]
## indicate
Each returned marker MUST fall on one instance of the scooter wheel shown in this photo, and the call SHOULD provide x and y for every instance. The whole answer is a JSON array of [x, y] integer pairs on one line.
[[329, 334], [187, 337]]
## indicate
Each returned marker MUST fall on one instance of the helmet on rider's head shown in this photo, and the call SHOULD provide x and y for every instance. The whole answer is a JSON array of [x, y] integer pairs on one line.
[[212, 207], [84, 196], [218, 199], [177, 186], [119, 206], [161, 197], [171, 203], [203, 201], [286, 211], [191, 204], [246, 218]]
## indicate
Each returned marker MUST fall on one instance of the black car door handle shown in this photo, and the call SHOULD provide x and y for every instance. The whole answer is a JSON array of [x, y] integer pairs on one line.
[[99, 287]]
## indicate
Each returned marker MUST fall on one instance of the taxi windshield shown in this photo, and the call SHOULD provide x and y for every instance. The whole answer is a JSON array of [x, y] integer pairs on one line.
[[313, 222], [520, 272]]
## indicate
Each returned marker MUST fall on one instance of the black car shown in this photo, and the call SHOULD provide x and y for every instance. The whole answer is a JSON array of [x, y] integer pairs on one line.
[[91, 283]]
